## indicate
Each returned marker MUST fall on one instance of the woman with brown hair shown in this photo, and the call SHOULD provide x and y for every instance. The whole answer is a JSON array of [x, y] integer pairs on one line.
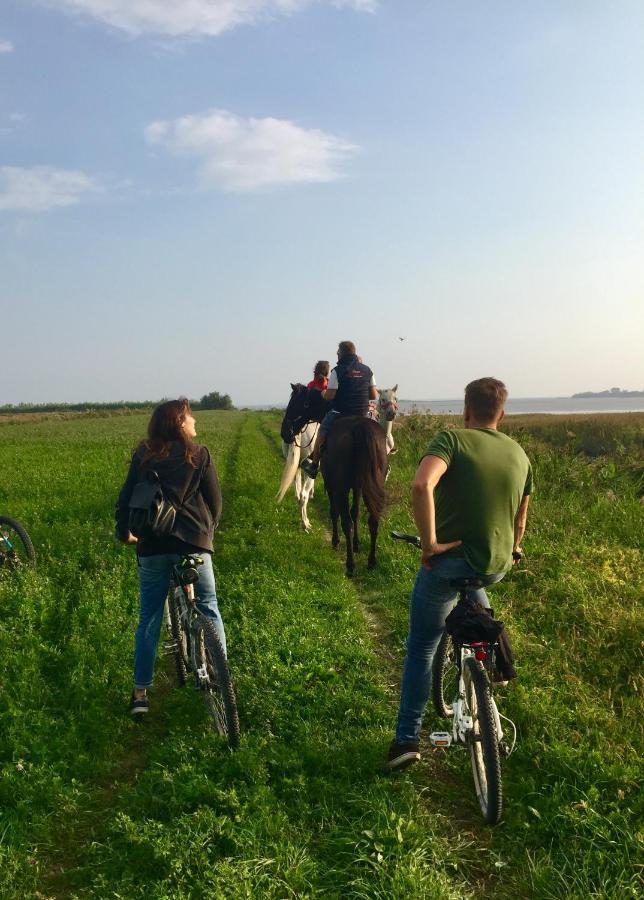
[[190, 484], [320, 380]]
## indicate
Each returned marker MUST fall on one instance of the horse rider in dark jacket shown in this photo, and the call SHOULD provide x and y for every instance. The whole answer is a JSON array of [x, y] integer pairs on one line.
[[351, 386]]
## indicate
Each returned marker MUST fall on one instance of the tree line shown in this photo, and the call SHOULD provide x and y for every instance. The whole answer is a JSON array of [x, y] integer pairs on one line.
[[212, 400]]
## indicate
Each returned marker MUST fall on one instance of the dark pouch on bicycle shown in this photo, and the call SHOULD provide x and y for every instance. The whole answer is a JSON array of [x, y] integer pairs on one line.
[[469, 621], [151, 513]]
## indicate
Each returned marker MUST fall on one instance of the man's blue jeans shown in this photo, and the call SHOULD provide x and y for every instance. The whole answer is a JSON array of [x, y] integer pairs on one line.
[[155, 573], [432, 600]]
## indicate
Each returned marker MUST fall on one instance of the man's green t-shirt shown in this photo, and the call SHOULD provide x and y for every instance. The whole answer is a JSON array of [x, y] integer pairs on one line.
[[477, 499]]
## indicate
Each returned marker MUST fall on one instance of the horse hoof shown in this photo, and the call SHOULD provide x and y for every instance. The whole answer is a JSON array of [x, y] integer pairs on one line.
[[371, 564], [349, 573]]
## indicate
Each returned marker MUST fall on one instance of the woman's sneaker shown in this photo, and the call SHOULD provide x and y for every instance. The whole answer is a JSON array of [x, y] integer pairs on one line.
[[138, 705], [401, 755]]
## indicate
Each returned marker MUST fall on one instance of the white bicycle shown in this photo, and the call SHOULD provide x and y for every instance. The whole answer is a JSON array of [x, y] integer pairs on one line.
[[462, 683]]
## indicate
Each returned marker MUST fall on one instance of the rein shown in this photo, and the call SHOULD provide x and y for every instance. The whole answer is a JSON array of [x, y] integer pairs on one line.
[[299, 434]]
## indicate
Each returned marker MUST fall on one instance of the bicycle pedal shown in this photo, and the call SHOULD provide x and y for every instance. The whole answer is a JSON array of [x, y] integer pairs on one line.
[[504, 748], [440, 739]]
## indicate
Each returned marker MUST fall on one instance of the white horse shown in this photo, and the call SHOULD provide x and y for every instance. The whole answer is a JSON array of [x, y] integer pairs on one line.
[[294, 453], [298, 439], [387, 409]]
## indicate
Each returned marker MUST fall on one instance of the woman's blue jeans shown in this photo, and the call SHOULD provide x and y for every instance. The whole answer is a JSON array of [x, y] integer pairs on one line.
[[155, 573], [432, 600]]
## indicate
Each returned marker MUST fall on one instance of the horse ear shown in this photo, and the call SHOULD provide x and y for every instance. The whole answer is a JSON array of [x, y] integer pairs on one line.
[[395, 388], [293, 386]]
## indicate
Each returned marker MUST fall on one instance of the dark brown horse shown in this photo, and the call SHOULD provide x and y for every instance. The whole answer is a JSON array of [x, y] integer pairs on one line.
[[355, 460]]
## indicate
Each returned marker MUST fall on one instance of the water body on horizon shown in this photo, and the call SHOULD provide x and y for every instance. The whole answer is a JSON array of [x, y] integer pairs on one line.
[[522, 405]]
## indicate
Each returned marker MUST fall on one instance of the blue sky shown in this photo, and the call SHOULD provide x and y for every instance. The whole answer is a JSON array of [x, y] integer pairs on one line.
[[211, 194]]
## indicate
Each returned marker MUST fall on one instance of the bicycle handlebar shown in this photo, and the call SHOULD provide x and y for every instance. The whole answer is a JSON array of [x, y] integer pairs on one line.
[[407, 538]]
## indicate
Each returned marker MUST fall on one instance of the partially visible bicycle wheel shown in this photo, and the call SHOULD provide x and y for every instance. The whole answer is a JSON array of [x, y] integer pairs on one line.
[[217, 687], [483, 741], [16, 548], [180, 640], [444, 677]]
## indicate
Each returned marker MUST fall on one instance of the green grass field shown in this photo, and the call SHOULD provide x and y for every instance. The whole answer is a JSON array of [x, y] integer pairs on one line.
[[94, 805]]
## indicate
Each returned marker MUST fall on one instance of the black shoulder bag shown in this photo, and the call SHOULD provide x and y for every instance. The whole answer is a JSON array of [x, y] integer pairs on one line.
[[151, 513]]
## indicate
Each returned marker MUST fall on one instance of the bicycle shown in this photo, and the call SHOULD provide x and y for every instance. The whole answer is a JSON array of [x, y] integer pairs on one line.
[[462, 689], [197, 650], [16, 548]]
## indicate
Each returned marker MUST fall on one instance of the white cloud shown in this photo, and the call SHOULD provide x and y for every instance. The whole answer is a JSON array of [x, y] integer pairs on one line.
[[41, 188], [191, 18], [238, 154], [6, 46]]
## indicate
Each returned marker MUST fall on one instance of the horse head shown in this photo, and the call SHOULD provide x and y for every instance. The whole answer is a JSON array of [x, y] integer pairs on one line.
[[305, 405], [388, 404]]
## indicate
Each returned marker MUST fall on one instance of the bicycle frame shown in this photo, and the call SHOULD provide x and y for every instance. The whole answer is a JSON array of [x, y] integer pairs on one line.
[[187, 607]]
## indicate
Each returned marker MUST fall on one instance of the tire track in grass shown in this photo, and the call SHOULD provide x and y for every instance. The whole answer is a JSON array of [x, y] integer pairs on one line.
[[336, 824], [64, 870], [300, 809], [462, 823]]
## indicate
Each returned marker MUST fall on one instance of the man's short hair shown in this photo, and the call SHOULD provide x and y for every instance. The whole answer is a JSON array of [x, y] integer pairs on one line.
[[485, 398], [346, 347]]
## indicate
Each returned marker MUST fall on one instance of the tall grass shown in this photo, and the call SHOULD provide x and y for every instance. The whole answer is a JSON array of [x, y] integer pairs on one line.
[[95, 806]]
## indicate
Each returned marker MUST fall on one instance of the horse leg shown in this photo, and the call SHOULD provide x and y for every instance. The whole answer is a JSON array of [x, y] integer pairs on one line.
[[333, 511], [355, 516], [373, 531], [347, 528], [304, 502], [298, 484]]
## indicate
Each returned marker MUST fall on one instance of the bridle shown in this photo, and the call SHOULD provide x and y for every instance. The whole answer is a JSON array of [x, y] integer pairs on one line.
[[388, 407], [299, 423]]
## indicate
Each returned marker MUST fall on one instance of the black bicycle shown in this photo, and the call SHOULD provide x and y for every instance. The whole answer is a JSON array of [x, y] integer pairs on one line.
[[461, 685], [198, 651], [16, 548]]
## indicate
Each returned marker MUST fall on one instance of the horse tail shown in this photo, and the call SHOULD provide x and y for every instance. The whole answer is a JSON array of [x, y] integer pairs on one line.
[[370, 466], [290, 470]]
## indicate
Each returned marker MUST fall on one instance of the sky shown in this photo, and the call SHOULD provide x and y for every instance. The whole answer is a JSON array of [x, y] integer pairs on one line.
[[202, 195]]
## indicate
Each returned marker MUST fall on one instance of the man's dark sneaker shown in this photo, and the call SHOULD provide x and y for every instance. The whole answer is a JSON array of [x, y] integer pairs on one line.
[[401, 755], [138, 705], [309, 467]]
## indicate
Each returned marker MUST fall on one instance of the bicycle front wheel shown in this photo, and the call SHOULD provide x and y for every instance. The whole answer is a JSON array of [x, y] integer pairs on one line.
[[215, 681], [483, 741], [444, 677], [180, 642], [16, 548]]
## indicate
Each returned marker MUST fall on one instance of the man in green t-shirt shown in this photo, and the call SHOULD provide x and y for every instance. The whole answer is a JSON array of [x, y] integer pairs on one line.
[[470, 496]]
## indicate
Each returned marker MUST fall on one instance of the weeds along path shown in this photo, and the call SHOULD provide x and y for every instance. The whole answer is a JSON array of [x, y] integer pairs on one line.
[[67, 749]]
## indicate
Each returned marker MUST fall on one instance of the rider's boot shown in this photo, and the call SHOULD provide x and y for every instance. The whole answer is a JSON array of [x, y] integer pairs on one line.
[[312, 463]]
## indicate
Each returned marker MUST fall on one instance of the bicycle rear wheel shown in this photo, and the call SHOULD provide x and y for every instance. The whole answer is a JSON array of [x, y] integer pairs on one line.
[[483, 741], [16, 548], [215, 681], [444, 677], [180, 640]]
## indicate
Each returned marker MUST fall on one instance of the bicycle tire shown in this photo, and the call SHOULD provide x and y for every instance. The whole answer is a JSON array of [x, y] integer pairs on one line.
[[219, 694], [444, 677], [483, 741], [180, 641], [19, 539]]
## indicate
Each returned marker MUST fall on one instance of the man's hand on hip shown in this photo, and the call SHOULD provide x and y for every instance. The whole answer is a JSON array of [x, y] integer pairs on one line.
[[435, 549]]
